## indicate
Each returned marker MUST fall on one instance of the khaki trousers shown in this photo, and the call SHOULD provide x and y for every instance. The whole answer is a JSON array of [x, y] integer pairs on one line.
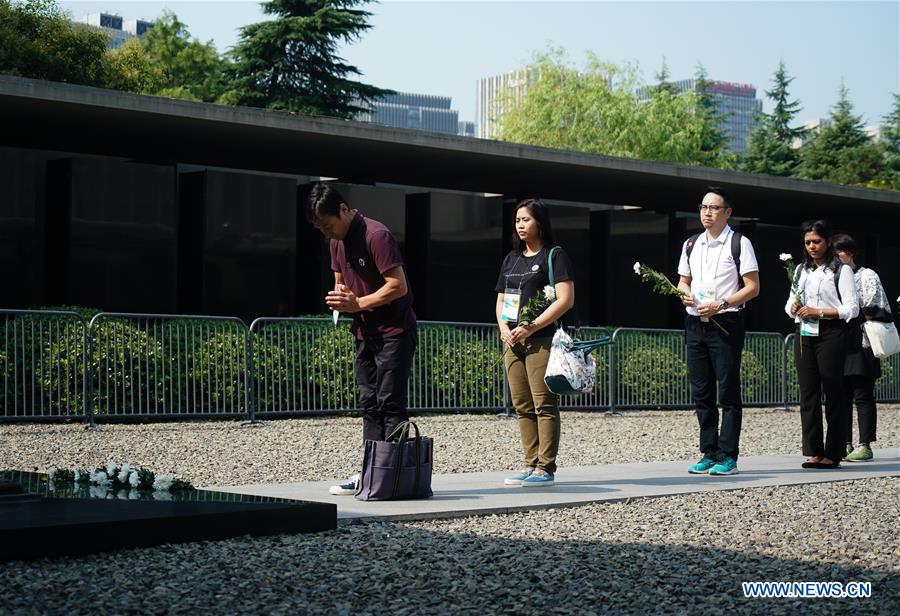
[[537, 408]]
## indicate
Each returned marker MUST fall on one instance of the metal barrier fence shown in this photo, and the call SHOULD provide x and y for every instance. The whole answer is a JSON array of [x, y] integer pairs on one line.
[[55, 365], [167, 366], [42, 365]]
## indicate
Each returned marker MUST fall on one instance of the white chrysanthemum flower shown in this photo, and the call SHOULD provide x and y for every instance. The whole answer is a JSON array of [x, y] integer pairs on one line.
[[162, 482], [100, 478], [51, 474], [133, 494], [110, 469], [550, 292], [637, 267], [785, 256], [123, 473], [134, 479], [77, 477], [98, 491]]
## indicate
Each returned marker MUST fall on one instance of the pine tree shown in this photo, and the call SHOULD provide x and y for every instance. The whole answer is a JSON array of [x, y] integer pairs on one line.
[[890, 147], [713, 139], [770, 146], [841, 151], [291, 62]]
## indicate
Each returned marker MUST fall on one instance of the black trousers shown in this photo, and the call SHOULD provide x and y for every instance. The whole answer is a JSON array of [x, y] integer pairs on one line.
[[714, 357], [381, 367], [860, 392], [821, 367]]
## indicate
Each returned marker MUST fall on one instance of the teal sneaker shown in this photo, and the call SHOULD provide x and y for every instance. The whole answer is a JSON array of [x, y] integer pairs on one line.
[[702, 467], [516, 478], [862, 453], [538, 478], [728, 466]]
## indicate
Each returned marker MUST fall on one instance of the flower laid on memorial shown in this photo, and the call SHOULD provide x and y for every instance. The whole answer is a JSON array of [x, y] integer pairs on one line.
[[115, 477], [661, 284], [536, 305], [793, 274]]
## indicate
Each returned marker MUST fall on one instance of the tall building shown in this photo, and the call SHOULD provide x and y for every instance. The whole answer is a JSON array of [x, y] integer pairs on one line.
[[736, 104], [417, 111], [466, 129], [490, 93], [116, 28]]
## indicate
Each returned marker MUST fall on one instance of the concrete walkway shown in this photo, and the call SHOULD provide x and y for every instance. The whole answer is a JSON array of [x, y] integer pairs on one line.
[[484, 493]]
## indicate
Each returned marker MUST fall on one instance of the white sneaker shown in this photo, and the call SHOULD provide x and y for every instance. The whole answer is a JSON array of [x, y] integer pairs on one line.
[[346, 488]]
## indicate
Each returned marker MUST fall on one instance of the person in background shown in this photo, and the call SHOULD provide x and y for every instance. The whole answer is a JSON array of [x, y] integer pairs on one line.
[[861, 368], [829, 303], [523, 274]]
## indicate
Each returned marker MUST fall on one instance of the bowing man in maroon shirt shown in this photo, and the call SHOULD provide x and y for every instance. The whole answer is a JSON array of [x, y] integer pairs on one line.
[[369, 284]]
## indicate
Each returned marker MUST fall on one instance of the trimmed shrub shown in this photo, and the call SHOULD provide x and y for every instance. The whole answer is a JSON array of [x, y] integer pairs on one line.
[[122, 368], [651, 374], [754, 377], [465, 371]]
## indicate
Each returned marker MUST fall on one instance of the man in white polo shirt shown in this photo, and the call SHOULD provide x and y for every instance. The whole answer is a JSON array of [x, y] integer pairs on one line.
[[719, 272]]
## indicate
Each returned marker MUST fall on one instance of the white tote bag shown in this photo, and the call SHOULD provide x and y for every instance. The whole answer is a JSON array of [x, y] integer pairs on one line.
[[883, 338]]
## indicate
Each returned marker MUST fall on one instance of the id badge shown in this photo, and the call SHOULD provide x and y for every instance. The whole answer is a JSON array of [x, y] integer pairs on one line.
[[510, 311], [809, 328], [706, 293]]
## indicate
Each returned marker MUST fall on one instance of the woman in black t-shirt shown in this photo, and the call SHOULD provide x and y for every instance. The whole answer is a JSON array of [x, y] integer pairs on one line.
[[525, 273]]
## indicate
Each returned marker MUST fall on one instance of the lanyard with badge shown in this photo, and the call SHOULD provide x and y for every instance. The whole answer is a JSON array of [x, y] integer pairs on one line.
[[512, 296], [810, 327], [706, 291]]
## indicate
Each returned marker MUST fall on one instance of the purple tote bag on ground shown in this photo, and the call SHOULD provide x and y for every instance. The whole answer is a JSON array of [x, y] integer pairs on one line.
[[398, 468]]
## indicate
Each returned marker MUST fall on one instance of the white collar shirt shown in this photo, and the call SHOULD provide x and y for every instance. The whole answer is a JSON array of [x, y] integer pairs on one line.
[[818, 290], [711, 264]]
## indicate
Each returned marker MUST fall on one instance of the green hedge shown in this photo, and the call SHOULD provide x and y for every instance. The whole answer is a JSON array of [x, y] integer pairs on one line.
[[650, 372]]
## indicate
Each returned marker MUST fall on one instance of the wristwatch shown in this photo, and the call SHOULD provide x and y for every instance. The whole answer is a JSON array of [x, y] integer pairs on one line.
[[725, 304]]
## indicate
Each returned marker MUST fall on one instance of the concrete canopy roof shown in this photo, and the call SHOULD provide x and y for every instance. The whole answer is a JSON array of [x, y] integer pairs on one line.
[[67, 118]]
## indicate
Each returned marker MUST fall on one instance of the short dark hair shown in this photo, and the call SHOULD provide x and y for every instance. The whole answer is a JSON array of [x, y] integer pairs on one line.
[[541, 215], [323, 200], [716, 190], [842, 241]]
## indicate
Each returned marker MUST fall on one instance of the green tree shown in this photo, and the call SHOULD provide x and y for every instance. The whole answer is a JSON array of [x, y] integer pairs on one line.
[[291, 62], [841, 151], [190, 69], [713, 139], [38, 41], [890, 148], [131, 69], [598, 110], [770, 146]]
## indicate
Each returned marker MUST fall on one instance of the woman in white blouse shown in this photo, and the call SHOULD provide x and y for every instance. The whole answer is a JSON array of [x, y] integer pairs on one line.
[[862, 368], [829, 302]]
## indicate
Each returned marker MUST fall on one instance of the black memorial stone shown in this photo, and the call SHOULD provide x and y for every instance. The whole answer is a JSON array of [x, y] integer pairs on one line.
[[40, 521]]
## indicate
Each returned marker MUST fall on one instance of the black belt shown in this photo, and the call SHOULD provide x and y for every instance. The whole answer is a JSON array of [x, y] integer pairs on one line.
[[724, 317]]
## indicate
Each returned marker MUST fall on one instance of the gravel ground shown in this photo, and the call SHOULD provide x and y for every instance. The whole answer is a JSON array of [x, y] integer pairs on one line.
[[677, 554], [289, 450]]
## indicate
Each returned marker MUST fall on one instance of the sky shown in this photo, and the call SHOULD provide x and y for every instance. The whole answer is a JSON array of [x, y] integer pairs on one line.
[[444, 47]]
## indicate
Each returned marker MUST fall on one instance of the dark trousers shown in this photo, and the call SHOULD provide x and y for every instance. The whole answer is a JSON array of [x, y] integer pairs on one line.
[[821, 367], [382, 373], [860, 392], [714, 357]]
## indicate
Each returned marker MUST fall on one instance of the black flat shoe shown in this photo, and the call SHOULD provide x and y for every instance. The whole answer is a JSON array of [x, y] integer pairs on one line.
[[810, 465], [828, 465]]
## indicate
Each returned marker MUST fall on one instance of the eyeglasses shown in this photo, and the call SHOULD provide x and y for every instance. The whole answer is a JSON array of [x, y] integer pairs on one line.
[[711, 208]]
